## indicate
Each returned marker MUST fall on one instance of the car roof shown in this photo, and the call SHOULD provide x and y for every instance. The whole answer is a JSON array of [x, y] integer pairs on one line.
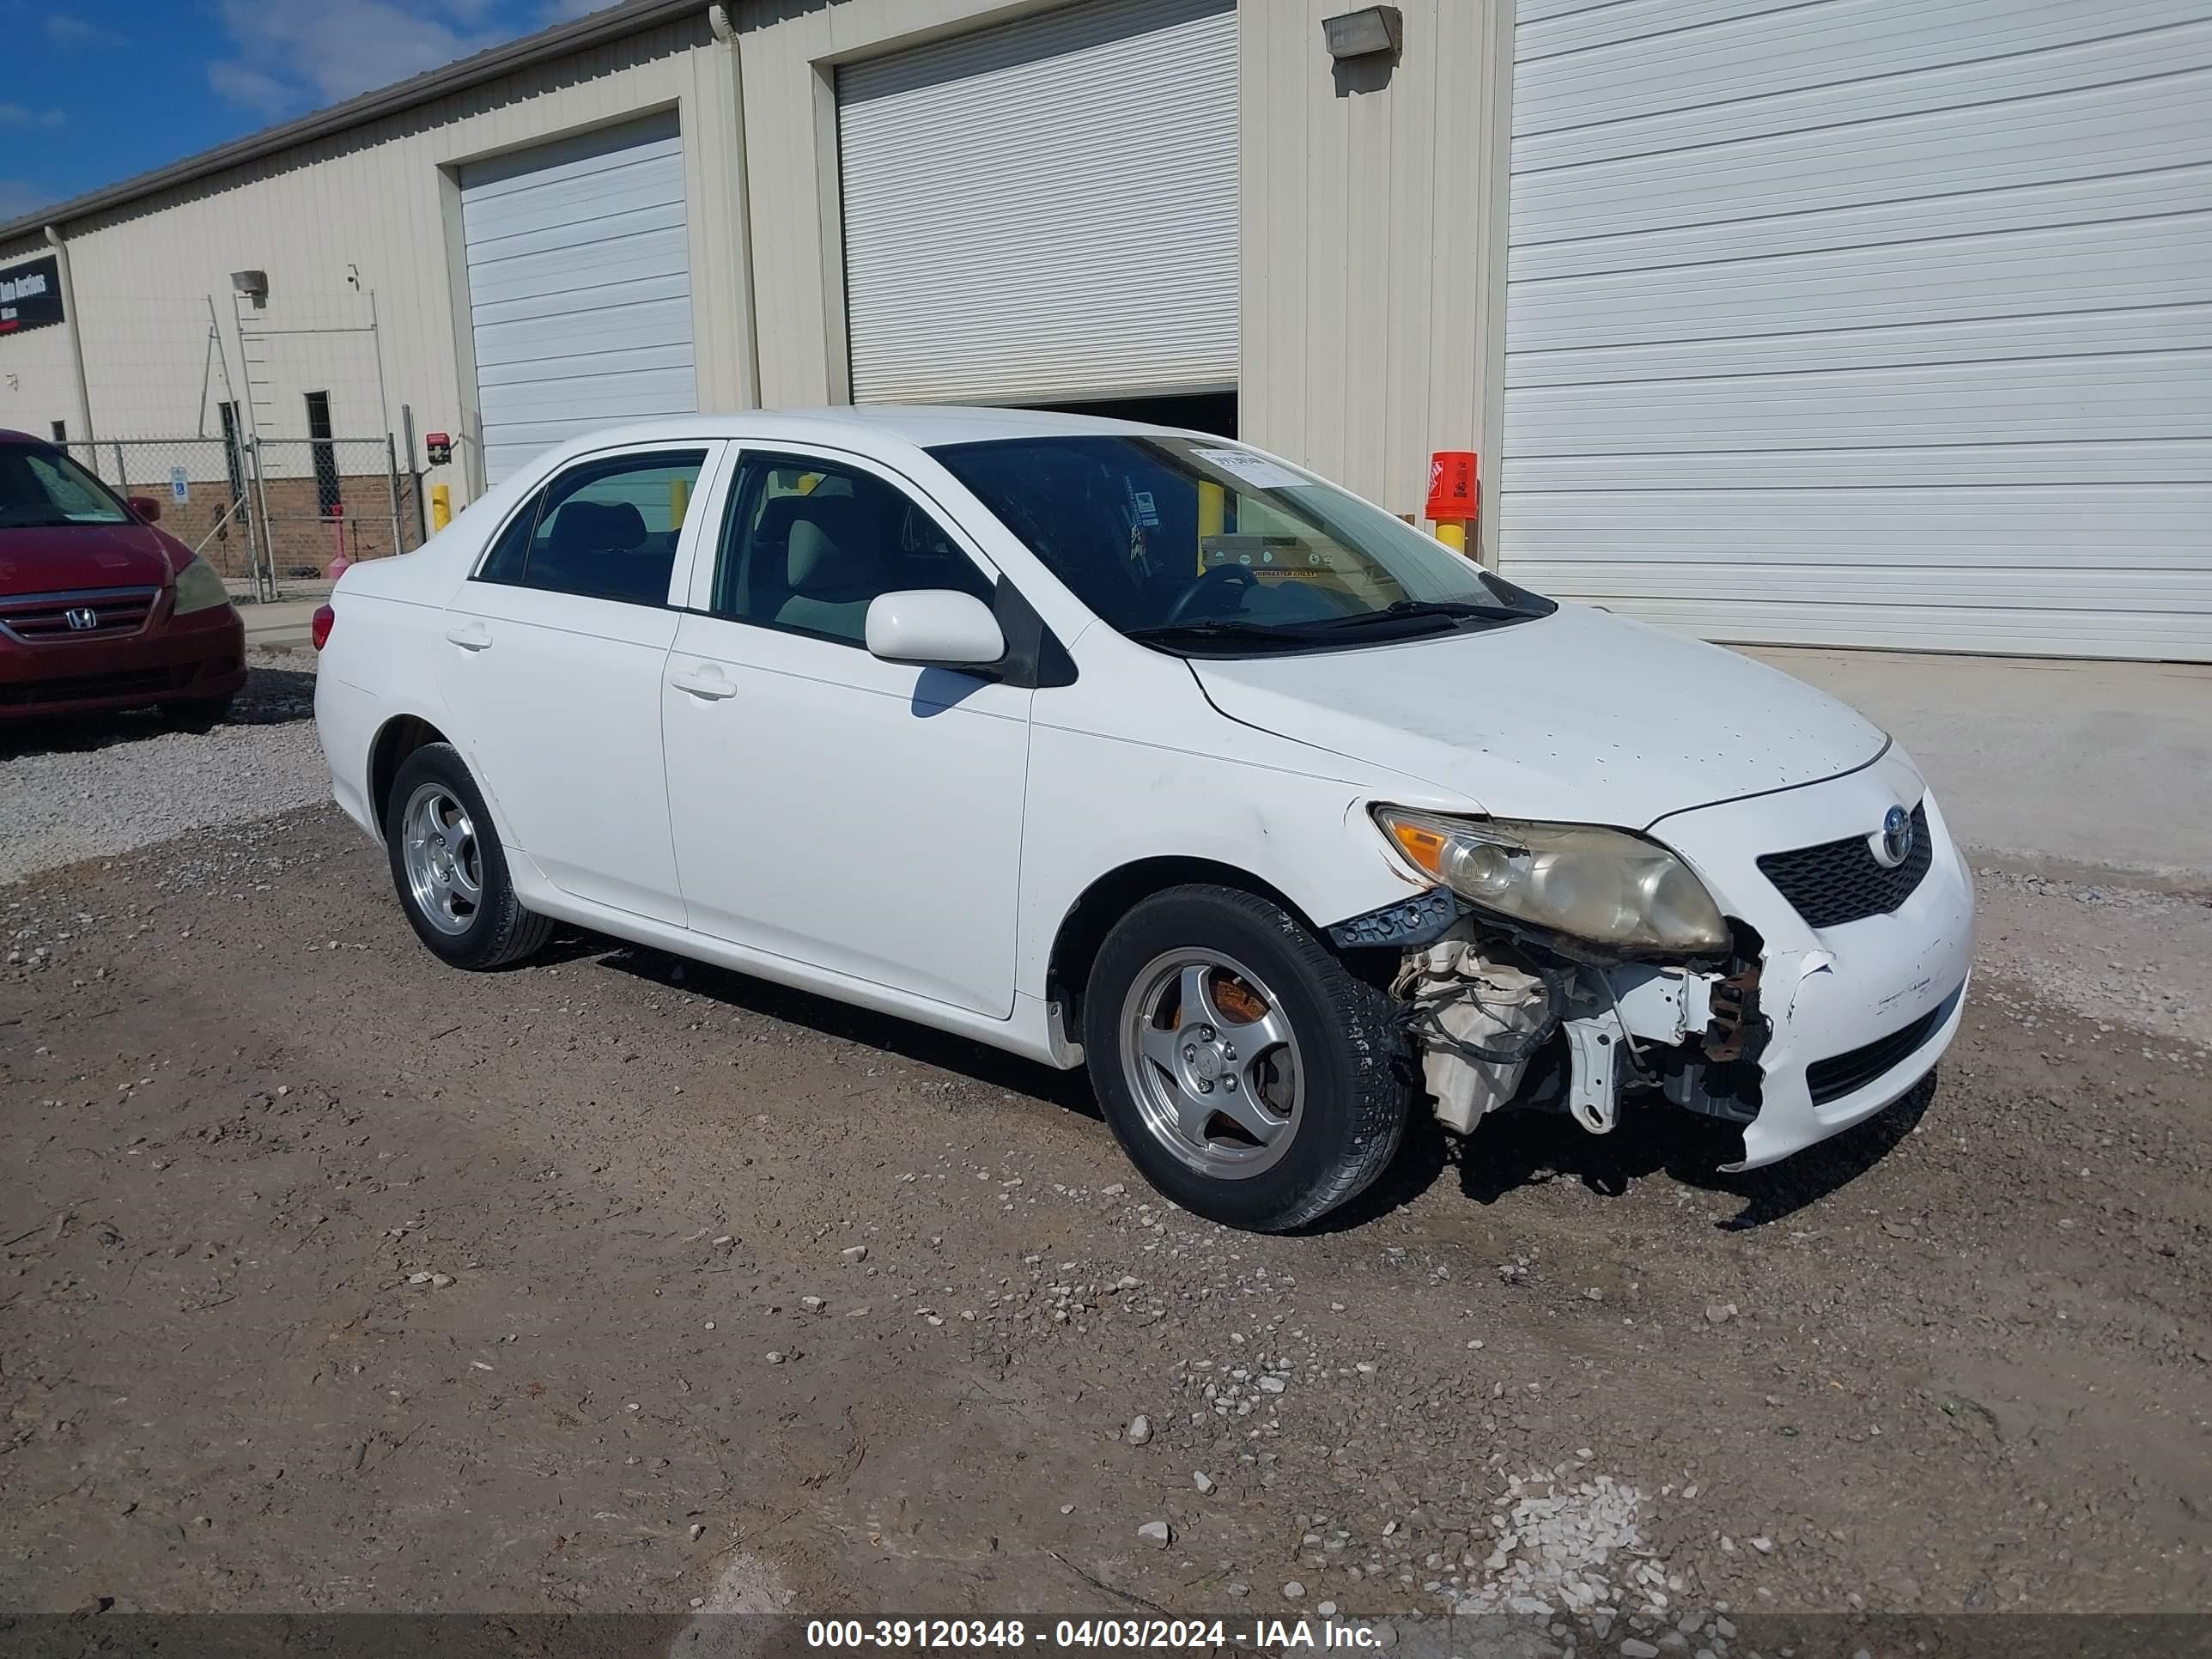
[[925, 426]]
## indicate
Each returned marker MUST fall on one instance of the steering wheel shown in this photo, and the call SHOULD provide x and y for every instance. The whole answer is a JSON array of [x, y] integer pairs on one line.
[[1221, 577]]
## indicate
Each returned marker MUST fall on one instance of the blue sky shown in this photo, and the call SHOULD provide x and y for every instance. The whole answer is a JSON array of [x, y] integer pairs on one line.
[[92, 91]]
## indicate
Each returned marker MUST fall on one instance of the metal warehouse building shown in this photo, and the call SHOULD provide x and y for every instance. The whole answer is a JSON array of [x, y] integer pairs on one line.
[[1852, 322]]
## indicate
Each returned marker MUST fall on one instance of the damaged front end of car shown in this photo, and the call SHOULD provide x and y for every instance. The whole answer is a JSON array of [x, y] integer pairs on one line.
[[1562, 967]]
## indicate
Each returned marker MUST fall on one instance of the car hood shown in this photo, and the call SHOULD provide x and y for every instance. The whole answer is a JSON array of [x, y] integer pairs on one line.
[[54, 559], [1579, 716]]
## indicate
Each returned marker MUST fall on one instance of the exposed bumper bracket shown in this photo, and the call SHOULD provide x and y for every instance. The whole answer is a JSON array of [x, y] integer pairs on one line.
[[1594, 1090]]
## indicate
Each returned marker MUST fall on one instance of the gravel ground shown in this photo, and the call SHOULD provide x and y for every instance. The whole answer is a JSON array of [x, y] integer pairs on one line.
[[106, 784], [2115, 954], [615, 1283]]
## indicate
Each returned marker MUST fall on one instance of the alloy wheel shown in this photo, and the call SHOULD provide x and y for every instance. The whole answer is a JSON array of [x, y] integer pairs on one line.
[[443, 860], [1210, 1055]]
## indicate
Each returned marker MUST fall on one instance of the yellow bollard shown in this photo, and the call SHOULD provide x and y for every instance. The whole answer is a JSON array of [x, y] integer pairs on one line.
[[679, 502], [441, 508], [1213, 513], [1453, 534]]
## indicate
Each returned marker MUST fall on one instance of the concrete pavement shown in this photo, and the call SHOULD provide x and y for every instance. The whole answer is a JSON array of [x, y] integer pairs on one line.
[[284, 622], [2083, 767]]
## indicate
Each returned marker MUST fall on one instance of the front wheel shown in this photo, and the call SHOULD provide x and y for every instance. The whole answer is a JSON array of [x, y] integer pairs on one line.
[[1249, 1075], [449, 868]]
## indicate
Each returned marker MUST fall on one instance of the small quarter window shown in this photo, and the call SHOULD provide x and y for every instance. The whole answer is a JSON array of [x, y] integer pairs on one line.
[[511, 551]]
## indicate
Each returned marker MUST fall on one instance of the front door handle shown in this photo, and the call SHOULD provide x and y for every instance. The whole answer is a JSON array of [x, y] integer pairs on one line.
[[708, 683], [471, 636]]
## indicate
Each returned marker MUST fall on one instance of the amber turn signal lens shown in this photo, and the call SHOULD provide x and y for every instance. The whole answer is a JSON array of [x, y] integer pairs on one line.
[[1424, 846]]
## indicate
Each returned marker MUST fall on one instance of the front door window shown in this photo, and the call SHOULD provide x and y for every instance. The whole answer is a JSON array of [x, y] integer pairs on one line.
[[806, 546]]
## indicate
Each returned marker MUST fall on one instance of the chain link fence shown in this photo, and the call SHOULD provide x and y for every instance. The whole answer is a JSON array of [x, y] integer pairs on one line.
[[324, 497], [269, 515]]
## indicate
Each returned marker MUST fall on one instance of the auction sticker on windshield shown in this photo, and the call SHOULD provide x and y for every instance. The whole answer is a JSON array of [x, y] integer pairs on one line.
[[1254, 470]]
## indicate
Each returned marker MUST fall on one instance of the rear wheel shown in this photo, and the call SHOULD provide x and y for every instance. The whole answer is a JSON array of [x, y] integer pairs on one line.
[[449, 868], [1248, 1075]]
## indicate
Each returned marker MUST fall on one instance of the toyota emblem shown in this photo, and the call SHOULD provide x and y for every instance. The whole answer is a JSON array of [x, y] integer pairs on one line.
[[1893, 845], [82, 617]]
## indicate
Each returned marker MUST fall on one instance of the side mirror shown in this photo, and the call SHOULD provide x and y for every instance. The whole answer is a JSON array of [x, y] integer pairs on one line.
[[146, 507], [934, 627]]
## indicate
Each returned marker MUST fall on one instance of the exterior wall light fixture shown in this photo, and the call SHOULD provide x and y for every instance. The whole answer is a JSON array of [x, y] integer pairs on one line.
[[1364, 34]]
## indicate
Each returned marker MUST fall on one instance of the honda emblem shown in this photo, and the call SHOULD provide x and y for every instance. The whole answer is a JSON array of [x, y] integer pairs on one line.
[[82, 617]]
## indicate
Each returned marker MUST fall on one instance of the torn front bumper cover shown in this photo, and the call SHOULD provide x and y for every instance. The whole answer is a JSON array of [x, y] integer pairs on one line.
[[1776, 1043]]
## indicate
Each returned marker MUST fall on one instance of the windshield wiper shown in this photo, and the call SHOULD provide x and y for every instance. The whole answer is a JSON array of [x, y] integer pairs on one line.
[[1214, 632], [1425, 610]]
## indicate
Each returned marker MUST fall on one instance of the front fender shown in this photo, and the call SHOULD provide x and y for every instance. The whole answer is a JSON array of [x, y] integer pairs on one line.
[[1099, 804]]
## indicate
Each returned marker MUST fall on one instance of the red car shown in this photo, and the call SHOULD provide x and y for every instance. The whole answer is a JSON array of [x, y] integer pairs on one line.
[[100, 609]]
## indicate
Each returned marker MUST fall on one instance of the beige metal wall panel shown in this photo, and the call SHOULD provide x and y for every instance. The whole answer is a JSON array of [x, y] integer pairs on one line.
[[1867, 322], [1370, 218], [375, 198]]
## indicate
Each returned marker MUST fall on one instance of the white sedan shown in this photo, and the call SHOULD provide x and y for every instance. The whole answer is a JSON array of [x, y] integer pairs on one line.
[[1144, 751]]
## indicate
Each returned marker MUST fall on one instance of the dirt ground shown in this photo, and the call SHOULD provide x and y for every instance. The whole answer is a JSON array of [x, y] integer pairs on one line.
[[334, 1279]]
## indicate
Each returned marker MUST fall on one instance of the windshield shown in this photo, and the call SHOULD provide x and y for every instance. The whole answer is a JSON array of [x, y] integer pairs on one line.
[[43, 488], [1196, 545]]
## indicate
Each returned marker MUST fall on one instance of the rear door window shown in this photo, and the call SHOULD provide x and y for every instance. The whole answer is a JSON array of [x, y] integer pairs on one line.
[[603, 529]]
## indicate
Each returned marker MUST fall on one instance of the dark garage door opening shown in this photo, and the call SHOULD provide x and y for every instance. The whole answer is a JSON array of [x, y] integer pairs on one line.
[[1201, 411]]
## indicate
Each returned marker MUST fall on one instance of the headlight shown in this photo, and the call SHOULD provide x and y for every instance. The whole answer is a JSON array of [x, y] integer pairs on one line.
[[198, 588], [1606, 886]]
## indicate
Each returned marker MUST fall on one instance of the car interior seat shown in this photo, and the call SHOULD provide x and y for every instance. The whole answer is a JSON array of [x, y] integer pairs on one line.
[[604, 548], [833, 565]]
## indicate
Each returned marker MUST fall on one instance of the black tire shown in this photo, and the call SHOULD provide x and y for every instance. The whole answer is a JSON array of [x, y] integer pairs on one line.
[[198, 714], [496, 930], [1354, 1056]]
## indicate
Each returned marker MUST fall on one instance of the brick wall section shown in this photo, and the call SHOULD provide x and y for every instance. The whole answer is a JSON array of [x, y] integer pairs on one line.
[[304, 541]]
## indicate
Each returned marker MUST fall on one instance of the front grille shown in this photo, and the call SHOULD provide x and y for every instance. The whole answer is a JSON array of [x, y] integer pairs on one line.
[[150, 683], [39, 618], [1834, 1078], [1841, 881]]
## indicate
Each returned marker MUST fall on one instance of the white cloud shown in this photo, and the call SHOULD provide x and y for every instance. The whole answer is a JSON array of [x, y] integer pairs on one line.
[[19, 197], [302, 54], [249, 88], [69, 32], [15, 115]]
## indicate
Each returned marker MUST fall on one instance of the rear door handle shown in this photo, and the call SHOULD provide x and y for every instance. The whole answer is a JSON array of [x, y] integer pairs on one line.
[[708, 683], [473, 636]]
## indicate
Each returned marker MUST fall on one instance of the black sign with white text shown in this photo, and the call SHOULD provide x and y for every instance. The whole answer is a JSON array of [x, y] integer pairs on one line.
[[30, 295]]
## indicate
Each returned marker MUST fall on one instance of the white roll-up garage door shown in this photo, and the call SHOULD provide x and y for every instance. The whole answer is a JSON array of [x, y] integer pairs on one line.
[[1866, 322], [1046, 210], [579, 287]]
